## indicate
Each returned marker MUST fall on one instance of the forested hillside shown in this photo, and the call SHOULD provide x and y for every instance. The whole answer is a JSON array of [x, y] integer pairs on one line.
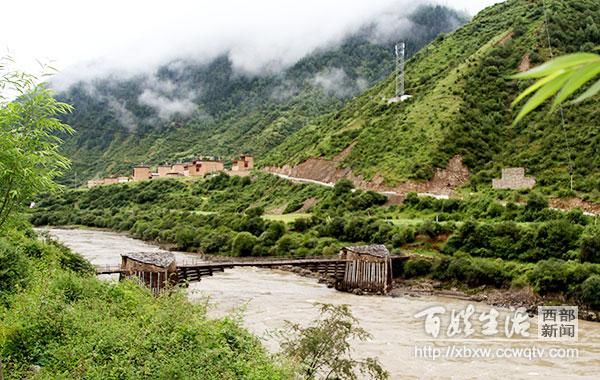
[[186, 109], [461, 106]]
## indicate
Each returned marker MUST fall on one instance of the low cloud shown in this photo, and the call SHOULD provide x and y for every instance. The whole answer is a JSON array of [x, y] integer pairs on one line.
[[335, 81], [167, 98], [258, 37]]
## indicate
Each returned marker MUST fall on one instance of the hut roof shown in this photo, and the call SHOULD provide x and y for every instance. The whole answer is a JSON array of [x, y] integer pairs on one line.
[[160, 259], [378, 250]]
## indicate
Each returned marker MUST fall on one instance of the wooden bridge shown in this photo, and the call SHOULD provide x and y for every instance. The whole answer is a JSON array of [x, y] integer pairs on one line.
[[331, 267], [354, 268]]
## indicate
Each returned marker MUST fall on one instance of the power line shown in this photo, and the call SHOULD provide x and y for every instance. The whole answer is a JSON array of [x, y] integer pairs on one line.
[[562, 113]]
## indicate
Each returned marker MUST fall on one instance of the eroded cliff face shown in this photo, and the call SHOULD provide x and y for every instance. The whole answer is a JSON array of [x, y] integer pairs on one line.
[[443, 182], [572, 203]]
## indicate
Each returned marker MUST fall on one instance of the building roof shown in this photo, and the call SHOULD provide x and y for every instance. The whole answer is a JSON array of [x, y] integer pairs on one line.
[[160, 259], [378, 250]]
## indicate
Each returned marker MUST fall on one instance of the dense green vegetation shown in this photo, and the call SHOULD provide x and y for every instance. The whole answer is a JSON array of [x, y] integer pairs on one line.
[[462, 93], [58, 321], [235, 112], [475, 241]]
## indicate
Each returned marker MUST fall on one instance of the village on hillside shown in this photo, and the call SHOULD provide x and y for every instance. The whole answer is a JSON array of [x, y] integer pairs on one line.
[[195, 168]]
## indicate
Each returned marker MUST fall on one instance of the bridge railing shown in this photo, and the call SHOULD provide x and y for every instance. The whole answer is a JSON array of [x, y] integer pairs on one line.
[[207, 259], [108, 268]]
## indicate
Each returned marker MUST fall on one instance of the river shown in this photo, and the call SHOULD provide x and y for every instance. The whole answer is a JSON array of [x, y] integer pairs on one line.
[[265, 299]]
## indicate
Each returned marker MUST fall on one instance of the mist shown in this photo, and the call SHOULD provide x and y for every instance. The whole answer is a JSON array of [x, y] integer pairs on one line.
[[258, 37], [119, 41]]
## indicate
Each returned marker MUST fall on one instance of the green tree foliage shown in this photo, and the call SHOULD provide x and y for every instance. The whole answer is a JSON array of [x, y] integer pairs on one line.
[[14, 269], [323, 349], [243, 244], [65, 324], [549, 276], [343, 186], [29, 147], [590, 245], [462, 92], [590, 291], [236, 112]]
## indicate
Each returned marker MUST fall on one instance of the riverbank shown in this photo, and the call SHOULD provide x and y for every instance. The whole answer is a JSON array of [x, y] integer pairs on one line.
[[414, 288], [265, 299], [503, 298]]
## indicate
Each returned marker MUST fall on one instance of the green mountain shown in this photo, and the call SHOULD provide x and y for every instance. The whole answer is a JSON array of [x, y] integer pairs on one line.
[[186, 109], [460, 105]]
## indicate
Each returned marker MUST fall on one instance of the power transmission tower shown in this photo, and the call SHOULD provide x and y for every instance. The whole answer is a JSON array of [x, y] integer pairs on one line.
[[400, 48], [399, 96]]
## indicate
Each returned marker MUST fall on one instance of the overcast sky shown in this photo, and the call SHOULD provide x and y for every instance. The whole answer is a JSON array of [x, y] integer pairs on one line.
[[133, 34]]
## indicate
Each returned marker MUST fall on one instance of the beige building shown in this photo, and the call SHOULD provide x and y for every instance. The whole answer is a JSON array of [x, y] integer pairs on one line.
[[513, 178], [245, 163], [163, 170], [94, 182], [179, 169], [110, 181], [203, 167], [141, 173]]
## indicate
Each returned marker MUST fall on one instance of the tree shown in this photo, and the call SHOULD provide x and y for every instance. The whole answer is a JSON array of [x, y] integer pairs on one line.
[[590, 291], [243, 244], [590, 244], [29, 146], [566, 74], [343, 186], [323, 350]]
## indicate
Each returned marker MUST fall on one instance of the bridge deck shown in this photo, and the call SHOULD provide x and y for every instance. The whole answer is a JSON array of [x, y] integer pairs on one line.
[[206, 268], [260, 263]]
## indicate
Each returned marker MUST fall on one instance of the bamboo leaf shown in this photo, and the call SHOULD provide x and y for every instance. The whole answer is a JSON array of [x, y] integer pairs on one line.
[[559, 63], [593, 90], [536, 86], [577, 79], [541, 95]]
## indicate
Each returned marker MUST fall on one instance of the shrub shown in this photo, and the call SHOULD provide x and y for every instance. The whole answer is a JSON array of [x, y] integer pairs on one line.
[[590, 291], [186, 238], [243, 244], [416, 267], [590, 245], [431, 229], [14, 269], [293, 206], [403, 236], [555, 239], [287, 245], [549, 276], [343, 186], [217, 241], [273, 233], [301, 224], [365, 200], [253, 212]]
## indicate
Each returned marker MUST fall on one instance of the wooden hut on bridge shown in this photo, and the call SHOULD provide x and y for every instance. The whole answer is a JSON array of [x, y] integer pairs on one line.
[[368, 267], [156, 270]]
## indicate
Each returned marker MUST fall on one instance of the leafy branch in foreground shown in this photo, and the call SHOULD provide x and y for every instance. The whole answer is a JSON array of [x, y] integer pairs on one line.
[[323, 351], [566, 74], [29, 148]]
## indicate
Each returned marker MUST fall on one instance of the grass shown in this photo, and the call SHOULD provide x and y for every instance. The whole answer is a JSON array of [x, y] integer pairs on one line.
[[286, 218]]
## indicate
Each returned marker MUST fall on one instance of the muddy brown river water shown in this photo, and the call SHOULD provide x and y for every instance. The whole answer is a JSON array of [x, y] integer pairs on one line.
[[265, 299]]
